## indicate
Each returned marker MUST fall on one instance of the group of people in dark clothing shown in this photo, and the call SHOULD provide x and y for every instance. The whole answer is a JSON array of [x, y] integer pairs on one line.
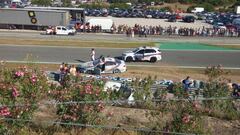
[[145, 30], [182, 31], [187, 82]]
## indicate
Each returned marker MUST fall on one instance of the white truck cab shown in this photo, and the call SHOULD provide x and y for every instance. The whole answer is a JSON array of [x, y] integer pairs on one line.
[[60, 30]]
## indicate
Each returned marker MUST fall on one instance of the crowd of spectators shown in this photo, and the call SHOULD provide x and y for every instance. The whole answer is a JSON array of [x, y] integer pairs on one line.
[[182, 31], [88, 28], [146, 30]]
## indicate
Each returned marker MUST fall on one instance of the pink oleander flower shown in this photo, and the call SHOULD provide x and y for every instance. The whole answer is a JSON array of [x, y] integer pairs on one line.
[[4, 111], [19, 74], [15, 92], [186, 119], [88, 89], [33, 78], [101, 106]]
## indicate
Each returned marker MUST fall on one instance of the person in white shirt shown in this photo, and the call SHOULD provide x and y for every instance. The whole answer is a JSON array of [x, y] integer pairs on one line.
[[92, 54], [73, 70]]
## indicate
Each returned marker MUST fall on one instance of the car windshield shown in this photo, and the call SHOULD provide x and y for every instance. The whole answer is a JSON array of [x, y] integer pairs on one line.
[[117, 61], [70, 27], [135, 50]]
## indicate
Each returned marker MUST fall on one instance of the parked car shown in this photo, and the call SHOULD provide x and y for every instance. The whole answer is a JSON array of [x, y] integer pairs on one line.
[[219, 25], [188, 19], [111, 65], [230, 26], [152, 54], [178, 16], [172, 18], [209, 20]]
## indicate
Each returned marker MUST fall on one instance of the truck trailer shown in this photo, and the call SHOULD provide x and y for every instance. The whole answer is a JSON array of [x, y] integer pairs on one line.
[[33, 18], [106, 24]]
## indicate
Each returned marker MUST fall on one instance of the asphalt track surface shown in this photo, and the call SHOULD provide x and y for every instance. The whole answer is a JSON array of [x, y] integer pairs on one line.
[[57, 54]]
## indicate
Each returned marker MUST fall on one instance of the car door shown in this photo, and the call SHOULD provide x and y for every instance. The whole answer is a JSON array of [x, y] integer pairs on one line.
[[58, 30], [64, 31], [110, 66], [139, 55], [148, 54]]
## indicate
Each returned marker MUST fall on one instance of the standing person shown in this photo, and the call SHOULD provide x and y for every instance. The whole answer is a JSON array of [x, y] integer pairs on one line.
[[186, 83], [132, 32], [66, 69], [92, 54], [61, 75], [103, 64], [61, 67], [73, 70]]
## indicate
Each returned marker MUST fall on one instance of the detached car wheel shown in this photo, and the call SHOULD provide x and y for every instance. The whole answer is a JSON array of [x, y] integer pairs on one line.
[[129, 59], [153, 59], [115, 71]]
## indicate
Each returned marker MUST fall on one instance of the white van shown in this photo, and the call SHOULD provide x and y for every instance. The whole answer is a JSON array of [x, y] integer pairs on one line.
[[198, 10], [106, 24]]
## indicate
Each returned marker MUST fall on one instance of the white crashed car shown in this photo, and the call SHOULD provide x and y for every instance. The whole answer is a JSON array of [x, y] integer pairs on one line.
[[151, 54], [112, 65]]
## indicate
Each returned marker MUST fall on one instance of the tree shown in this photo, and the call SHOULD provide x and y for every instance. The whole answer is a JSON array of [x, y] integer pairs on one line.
[[42, 2], [67, 3], [208, 7]]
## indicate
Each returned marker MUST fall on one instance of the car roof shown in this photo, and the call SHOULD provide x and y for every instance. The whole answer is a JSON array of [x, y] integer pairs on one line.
[[148, 47], [109, 59]]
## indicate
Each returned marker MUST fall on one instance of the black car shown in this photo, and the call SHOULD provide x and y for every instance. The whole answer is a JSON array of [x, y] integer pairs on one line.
[[188, 19], [172, 18]]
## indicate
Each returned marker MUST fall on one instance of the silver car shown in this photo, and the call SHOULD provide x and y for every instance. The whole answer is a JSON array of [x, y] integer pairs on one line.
[[111, 65]]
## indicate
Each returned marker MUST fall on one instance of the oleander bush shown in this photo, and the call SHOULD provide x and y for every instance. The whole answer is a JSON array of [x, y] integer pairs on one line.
[[80, 101], [21, 89], [186, 115]]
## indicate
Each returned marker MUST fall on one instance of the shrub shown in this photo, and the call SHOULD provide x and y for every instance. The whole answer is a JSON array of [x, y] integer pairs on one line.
[[217, 87], [207, 6], [21, 89], [119, 5], [87, 97]]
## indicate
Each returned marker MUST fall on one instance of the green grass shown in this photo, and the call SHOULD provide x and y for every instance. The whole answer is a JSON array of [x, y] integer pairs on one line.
[[195, 46], [71, 42]]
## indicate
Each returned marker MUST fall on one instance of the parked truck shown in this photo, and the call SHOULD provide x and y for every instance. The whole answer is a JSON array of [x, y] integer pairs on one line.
[[33, 18], [106, 24], [237, 9]]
